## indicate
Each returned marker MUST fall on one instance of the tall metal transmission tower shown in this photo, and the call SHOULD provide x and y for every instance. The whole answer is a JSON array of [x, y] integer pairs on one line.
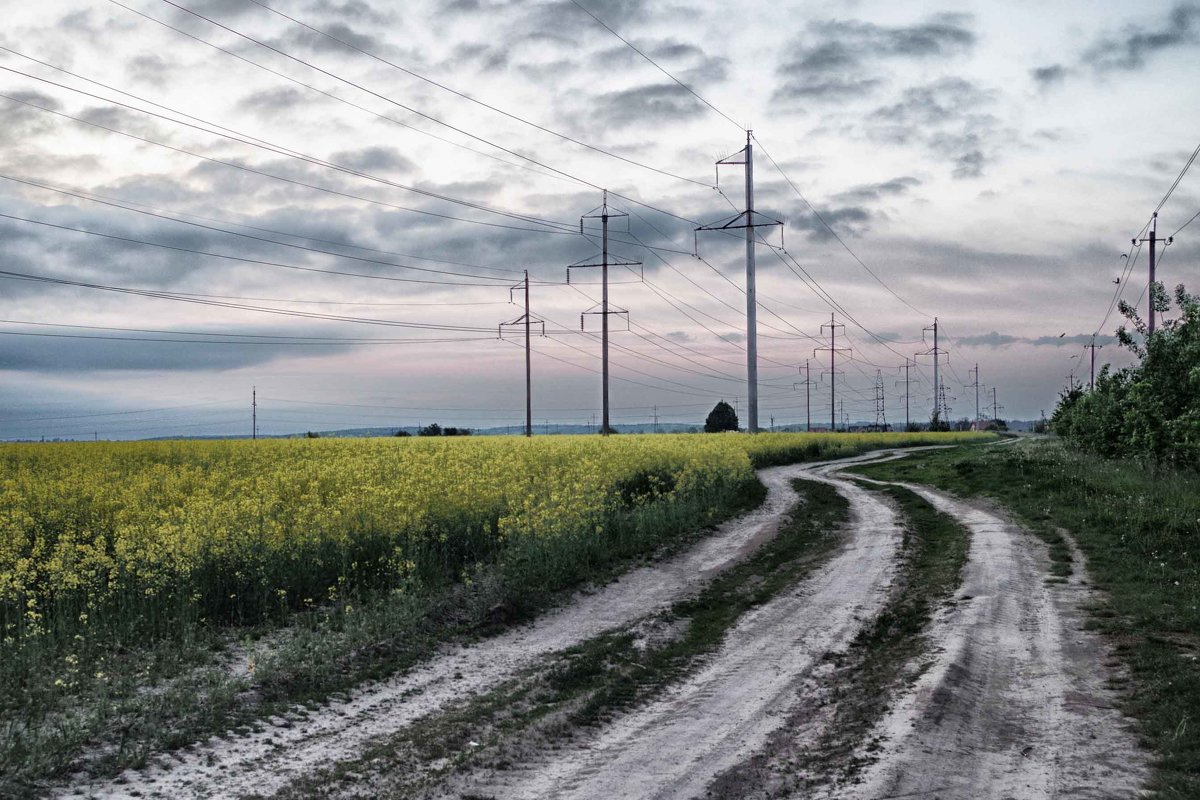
[[975, 385], [906, 383], [880, 400], [939, 393], [807, 384], [749, 220], [832, 371], [604, 214], [525, 320]]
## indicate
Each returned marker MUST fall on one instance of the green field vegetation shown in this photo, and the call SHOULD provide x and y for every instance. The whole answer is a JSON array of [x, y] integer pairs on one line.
[[1139, 528], [134, 575]]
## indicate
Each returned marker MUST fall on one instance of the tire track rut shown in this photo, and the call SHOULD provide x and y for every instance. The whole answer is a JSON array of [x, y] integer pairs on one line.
[[1015, 703]]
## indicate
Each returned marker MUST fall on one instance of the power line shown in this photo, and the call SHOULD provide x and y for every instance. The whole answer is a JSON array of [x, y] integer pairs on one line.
[[476, 100], [834, 233], [228, 232], [1184, 225], [1191, 160], [241, 307], [551, 225], [657, 66], [556, 172], [243, 259], [283, 338]]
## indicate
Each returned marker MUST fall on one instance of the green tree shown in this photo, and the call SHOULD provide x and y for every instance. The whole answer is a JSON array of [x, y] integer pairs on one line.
[[721, 418]]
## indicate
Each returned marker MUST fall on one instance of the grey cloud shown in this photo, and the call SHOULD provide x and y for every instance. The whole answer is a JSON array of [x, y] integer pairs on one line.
[[150, 68], [655, 103], [846, 220], [877, 191], [297, 38], [840, 59], [1130, 49], [24, 120], [269, 102], [126, 121], [996, 339], [374, 159], [350, 9], [946, 116], [222, 8], [62, 353], [1049, 76], [964, 151], [934, 103]]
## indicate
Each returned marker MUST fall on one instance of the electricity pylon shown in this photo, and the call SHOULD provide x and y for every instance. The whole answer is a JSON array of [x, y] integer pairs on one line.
[[604, 214], [832, 371], [880, 399], [907, 383], [525, 320], [807, 384], [939, 392], [748, 220]]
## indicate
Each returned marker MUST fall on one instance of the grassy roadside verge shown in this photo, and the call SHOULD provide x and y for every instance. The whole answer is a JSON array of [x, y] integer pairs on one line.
[[881, 661], [1140, 531], [590, 683]]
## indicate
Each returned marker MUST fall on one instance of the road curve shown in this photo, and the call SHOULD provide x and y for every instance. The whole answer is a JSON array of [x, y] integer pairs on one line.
[[716, 719], [263, 762]]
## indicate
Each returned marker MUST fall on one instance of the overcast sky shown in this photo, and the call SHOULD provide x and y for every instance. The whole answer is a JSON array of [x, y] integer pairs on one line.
[[988, 162]]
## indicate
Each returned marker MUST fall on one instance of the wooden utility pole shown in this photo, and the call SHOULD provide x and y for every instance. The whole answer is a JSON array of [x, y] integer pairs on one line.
[[1153, 242], [1093, 347]]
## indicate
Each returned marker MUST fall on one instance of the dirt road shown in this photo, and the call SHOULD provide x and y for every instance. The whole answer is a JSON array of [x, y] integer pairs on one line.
[[1014, 704], [1011, 703], [719, 717]]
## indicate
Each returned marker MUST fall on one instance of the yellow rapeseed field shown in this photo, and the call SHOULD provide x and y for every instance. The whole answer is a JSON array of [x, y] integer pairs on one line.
[[176, 533]]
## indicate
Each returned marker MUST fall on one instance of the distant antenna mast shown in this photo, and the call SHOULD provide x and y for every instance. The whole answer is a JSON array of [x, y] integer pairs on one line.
[[254, 412]]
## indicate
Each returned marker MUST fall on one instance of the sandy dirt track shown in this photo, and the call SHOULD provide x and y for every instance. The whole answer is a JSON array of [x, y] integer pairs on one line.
[[1015, 704], [262, 763], [719, 717]]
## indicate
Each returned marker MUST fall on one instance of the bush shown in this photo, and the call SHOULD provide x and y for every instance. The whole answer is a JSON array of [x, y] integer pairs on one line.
[[1150, 410]]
